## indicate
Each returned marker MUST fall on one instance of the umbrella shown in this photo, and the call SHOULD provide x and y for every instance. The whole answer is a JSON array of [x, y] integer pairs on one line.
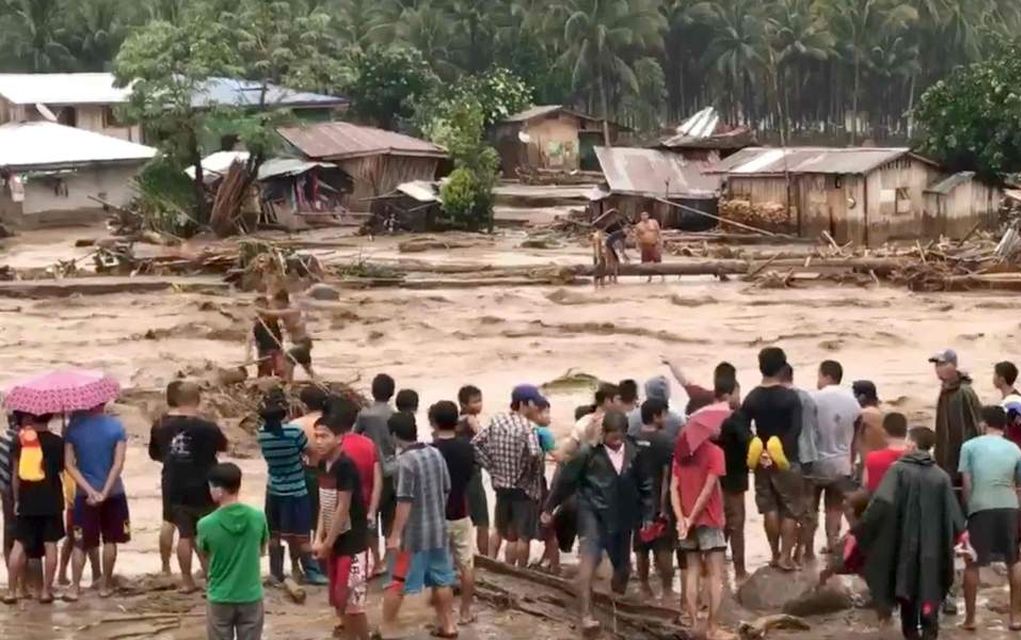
[[62, 391], [703, 425]]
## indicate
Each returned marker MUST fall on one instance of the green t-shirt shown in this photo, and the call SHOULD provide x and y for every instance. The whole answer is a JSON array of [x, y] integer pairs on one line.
[[232, 538]]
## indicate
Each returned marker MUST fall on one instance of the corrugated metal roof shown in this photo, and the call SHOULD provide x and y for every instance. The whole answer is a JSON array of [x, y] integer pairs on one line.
[[420, 190], [542, 111], [218, 163], [701, 125], [289, 167], [829, 160], [61, 88], [343, 140], [944, 187], [26, 145], [247, 93], [648, 172]]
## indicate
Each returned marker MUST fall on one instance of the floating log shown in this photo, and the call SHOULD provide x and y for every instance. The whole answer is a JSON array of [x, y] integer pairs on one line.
[[102, 285]]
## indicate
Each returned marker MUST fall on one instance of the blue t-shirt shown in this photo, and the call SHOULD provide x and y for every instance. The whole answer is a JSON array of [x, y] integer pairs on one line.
[[994, 464], [94, 437], [282, 451]]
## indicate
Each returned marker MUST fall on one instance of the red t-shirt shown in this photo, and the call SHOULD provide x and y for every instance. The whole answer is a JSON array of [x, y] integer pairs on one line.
[[877, 464], [362, 451], [691, 476]]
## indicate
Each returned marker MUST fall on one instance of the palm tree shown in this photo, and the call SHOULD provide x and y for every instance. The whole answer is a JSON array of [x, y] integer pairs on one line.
[[599, 36], [737, 49], [799, 36], [860, 25], [35, 36], [98, 31], [685, 36]]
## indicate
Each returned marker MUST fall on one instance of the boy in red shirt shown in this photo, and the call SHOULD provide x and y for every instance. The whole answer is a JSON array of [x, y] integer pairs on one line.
[[698, 503], [877, 463]]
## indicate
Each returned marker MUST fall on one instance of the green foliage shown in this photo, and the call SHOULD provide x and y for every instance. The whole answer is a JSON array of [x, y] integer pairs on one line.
[[165, 199], [494, 95], [468, 193], [385, 83], [972, 120]]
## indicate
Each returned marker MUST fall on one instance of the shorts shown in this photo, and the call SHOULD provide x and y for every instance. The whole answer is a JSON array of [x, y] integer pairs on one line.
[[412, 572], [387, 508], [780, 492], [478, 503], [168, 512], [289, 517], [235, 621], [186, 518], [35, 532], [301, 352], [595, 539], [831, 493], [517, 515], [108, 521], [349, 582], [994, 536], [9, 522], [652, 253], [704, 539], [271, 363], [462, 542], [312, 486]]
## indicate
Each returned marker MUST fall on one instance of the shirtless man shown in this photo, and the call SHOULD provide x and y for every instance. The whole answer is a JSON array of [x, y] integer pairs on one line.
[[294, 321], [869, 434], [650, 240]]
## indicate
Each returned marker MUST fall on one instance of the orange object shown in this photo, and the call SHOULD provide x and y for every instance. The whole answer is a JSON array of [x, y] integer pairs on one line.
[[30, 462]]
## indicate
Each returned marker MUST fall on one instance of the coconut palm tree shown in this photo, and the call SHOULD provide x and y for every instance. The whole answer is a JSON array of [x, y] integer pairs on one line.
[[737, 52], [600, 35], [35, 35]]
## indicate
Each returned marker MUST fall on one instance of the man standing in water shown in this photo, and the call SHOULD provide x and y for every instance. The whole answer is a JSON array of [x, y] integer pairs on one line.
[[650, 240], [775, 410]]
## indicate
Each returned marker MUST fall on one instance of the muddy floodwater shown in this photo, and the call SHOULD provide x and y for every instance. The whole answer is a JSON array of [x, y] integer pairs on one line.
[[437, 340]]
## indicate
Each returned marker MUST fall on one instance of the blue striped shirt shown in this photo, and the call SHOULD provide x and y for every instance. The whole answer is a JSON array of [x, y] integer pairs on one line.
[[282, 451]]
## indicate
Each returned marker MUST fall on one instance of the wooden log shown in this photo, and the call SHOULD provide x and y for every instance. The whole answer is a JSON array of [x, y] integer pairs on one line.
[[294, 591]]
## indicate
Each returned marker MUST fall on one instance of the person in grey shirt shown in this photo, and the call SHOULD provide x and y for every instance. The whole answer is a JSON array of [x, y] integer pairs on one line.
[[837, 411], [372, 423], [657, 388], [808, 455]]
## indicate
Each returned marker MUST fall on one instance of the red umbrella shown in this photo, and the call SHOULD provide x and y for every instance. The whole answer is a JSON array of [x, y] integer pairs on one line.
[[703, 425], [62, 391]]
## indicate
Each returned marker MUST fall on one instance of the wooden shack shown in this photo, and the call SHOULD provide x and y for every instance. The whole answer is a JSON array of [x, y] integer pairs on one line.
[[955, 205]]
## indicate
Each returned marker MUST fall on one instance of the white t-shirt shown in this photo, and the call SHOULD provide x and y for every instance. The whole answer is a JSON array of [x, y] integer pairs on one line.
[[837, 410], [616, 458]]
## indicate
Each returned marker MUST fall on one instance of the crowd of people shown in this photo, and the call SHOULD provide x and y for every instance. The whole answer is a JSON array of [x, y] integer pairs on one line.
[[358, 493]]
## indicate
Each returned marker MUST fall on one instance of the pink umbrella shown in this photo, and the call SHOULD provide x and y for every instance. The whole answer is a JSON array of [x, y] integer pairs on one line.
[[703, 425], [62, 392]]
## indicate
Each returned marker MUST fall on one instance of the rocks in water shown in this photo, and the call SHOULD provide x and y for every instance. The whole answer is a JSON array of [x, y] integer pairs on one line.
[[323, 292], [795, 593]]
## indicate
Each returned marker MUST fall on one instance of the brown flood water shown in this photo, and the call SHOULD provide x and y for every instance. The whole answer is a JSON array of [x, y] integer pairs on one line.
[[495, 338]]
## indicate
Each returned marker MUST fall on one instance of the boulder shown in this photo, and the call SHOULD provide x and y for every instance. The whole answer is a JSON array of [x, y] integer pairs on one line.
[[798, 593], [323, 292]]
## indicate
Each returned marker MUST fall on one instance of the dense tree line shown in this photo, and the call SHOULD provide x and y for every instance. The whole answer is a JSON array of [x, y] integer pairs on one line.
[[791, 66]]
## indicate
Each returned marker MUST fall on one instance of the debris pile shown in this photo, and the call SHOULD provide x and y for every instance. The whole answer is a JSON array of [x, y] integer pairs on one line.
[[769, 216]]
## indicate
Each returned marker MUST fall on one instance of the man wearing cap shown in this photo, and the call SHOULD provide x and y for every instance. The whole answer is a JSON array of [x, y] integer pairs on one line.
[[957, 413], [509, 449]]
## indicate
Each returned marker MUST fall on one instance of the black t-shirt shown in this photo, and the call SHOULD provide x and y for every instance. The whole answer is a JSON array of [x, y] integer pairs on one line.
[[656, 451], [268, 336], [460, 457], [343, 476], [40, 497], [189, 446], [776, 411], [734, 438]]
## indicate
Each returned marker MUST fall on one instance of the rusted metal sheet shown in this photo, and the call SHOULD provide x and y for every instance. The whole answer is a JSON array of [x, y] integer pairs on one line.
[[343, 140], [648, 172]]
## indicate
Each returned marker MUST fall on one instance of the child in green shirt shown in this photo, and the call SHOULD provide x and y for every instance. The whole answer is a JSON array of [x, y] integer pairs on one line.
[[233, 539]]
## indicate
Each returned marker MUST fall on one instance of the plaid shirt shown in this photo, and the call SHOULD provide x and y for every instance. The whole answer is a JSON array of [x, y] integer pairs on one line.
[[509, 449], [423, 480]]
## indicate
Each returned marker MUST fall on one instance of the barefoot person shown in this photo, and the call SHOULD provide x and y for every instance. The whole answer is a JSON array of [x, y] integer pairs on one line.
[[775, 411], [95, 446], [650, 240], [459, 455], [159, 442], [657, 452], [342, 533], [418, 546], [991, 478], [372, 423], [470, 399], [37, 460], [294, 321], [232, 539], [615, 497], [908, 533], [697, 499], [869, 435], [192, 446]]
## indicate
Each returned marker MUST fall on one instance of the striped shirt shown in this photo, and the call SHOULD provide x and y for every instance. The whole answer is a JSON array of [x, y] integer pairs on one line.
[[423, 480], [6, 441], [282, 451]]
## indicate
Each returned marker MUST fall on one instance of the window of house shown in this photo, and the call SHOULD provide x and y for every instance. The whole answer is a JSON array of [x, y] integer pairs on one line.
[[110, 119], [903, 200]]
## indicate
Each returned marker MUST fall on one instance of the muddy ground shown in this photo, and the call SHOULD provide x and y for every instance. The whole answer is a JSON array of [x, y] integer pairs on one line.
[[435, 341]]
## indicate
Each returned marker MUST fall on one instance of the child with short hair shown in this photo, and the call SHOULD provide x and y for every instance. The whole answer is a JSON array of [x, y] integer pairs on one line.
[[233, 538]]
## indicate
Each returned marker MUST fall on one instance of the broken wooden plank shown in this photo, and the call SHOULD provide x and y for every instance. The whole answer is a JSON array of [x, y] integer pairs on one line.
[[104, 285]]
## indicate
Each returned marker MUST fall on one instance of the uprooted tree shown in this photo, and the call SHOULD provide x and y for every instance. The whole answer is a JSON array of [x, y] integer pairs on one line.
[[169, 66]]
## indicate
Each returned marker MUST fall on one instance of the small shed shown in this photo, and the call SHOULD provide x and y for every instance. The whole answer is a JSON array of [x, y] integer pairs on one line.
[[550, 137], [412, 206], [376, 160], [862, 195], [705, 137], [639, 180], [54, 174], [955, 205]]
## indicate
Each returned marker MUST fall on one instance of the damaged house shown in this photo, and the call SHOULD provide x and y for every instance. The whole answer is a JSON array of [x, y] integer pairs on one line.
[[375, 160]]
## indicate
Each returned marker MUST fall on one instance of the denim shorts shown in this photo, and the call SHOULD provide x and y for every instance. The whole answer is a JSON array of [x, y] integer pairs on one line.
[[411, 572]]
